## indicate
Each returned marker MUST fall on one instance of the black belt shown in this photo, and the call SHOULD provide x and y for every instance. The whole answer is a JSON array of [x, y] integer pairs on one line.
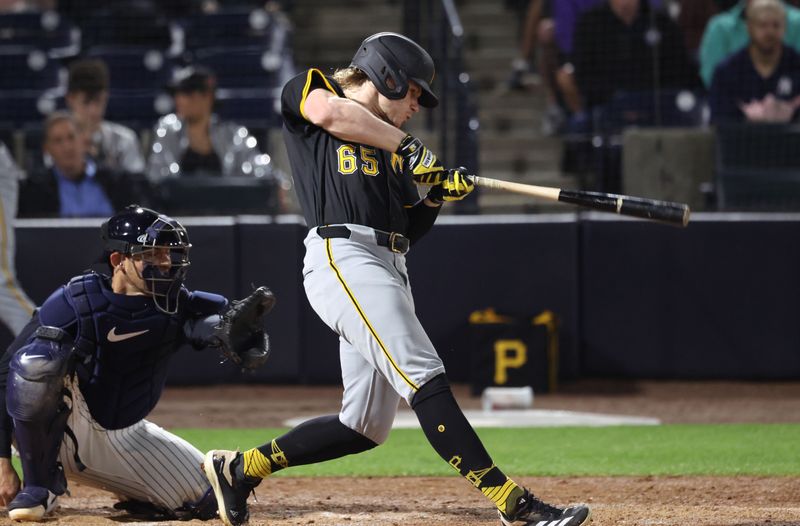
[[392, 240]]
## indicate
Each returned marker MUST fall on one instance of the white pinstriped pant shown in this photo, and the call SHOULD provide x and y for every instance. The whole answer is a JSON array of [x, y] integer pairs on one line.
[[15, 306], [142, 462]]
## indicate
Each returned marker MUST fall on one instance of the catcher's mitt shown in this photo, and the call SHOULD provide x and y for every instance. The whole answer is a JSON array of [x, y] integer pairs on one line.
[[240, 334]]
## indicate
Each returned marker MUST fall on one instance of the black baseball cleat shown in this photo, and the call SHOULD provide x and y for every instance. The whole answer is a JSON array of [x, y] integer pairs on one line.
[[231, 492], [530, 511]]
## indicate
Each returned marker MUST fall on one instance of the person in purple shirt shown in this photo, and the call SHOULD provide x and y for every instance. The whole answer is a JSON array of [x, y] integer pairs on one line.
[[74, 186], [620, 44], [760, 83]]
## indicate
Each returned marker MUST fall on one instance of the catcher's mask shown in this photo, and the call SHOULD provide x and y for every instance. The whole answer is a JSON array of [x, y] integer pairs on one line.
[[160, 241], [391, 60]]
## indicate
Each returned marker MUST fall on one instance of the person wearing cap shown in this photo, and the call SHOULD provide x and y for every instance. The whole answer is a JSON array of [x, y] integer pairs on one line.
[[113, 146], [195, 141]]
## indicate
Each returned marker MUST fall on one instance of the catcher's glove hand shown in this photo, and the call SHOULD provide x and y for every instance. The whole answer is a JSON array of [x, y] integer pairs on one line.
[[419, 162], [456, 186], [240, 334]]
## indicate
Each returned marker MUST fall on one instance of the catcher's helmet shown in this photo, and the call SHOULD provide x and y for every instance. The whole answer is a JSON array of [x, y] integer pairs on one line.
[[391, 56], [139, 232]]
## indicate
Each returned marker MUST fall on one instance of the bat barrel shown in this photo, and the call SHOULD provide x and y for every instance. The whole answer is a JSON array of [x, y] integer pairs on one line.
[[666, 211]]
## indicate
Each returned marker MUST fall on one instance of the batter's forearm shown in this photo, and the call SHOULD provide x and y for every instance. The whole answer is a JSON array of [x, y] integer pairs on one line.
[[350, 121], [420, 219]]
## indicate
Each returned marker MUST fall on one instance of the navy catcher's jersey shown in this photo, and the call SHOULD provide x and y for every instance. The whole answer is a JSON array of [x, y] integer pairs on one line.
[[123, 343], [339, 181]]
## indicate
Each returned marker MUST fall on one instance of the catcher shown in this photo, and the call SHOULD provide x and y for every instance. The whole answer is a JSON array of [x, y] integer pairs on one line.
[[84, 373]]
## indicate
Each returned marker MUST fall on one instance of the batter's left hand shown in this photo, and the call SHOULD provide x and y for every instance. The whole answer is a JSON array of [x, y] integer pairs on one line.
[[9, 481], [455, 187], [419, 162]]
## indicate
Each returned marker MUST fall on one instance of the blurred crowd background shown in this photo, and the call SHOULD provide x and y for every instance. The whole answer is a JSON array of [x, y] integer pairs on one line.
[[173, 104]]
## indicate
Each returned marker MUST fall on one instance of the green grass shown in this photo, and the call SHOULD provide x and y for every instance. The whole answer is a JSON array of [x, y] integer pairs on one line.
[[728, 449]]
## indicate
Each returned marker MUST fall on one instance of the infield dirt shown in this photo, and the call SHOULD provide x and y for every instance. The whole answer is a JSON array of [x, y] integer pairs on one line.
[[629, 501]]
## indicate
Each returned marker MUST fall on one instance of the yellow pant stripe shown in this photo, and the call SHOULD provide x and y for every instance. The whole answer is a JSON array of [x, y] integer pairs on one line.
[[10, 281], [256, 464], [364, 318]]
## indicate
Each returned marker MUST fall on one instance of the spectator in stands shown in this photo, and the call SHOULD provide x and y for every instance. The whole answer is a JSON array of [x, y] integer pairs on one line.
[[727, 33], [555, 32], [194, 141], [566, 14], [74, 186], [538, 40], [624, 46], [760, 83], [112, 145], [693, 19]]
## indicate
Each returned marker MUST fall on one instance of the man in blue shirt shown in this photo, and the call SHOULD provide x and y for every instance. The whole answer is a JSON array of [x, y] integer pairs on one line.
[[760, 83], [74, 186]]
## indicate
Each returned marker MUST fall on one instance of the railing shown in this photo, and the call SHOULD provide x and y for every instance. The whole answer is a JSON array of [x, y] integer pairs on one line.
[[437, 27]]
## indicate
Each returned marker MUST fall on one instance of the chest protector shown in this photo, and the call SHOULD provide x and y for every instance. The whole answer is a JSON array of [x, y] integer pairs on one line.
[[123, 345]]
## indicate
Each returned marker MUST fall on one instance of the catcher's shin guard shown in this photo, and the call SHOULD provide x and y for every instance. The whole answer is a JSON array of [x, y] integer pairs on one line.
[[36, 399]]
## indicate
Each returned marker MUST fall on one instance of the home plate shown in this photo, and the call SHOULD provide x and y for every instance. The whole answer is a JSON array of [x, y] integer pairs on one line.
[[521, 418]]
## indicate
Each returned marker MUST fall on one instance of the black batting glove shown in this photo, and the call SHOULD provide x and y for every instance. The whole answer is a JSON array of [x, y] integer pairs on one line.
[[419, 162], [456, 185]]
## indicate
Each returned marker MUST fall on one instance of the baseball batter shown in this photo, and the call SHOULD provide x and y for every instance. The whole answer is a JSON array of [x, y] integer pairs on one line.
[[356, 172], [83, 374], [15, 306]]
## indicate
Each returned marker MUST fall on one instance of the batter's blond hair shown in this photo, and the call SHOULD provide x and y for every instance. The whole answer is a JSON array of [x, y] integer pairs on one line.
[[350, 77]]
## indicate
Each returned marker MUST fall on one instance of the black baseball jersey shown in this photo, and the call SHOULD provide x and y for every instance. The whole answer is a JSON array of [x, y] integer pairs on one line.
[[339, 181]]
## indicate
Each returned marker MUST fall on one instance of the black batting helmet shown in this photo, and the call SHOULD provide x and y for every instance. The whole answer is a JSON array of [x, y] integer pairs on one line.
[[393, 57], [138, 231]]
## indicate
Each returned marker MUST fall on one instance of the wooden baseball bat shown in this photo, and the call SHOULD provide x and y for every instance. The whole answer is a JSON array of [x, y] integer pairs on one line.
[[666, 211]]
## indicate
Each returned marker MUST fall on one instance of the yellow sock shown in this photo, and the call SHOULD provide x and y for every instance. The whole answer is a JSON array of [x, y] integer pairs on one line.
[[257, 464]]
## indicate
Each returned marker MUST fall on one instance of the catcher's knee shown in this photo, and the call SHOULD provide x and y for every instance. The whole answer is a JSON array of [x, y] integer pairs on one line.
[[36, 375]]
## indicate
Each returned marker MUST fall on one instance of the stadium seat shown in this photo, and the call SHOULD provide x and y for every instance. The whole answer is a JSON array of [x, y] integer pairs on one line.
[[21, 107], [45, 30], [114, 26], [239, 26], [134, 68], [138, 109], [250, 107], [668, 108], [214, 195], [27, 68], [757, 167], [242, 67]]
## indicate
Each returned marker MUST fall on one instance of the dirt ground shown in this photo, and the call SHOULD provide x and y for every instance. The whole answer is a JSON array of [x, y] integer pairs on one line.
[[640, 501]]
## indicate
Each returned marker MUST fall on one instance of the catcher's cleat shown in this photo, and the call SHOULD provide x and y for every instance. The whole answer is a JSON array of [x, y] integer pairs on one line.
[[231, 492], [32, 503], [530, 511]]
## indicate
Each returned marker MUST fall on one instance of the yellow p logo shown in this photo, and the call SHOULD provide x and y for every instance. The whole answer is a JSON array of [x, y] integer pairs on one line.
[[508, 354]]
